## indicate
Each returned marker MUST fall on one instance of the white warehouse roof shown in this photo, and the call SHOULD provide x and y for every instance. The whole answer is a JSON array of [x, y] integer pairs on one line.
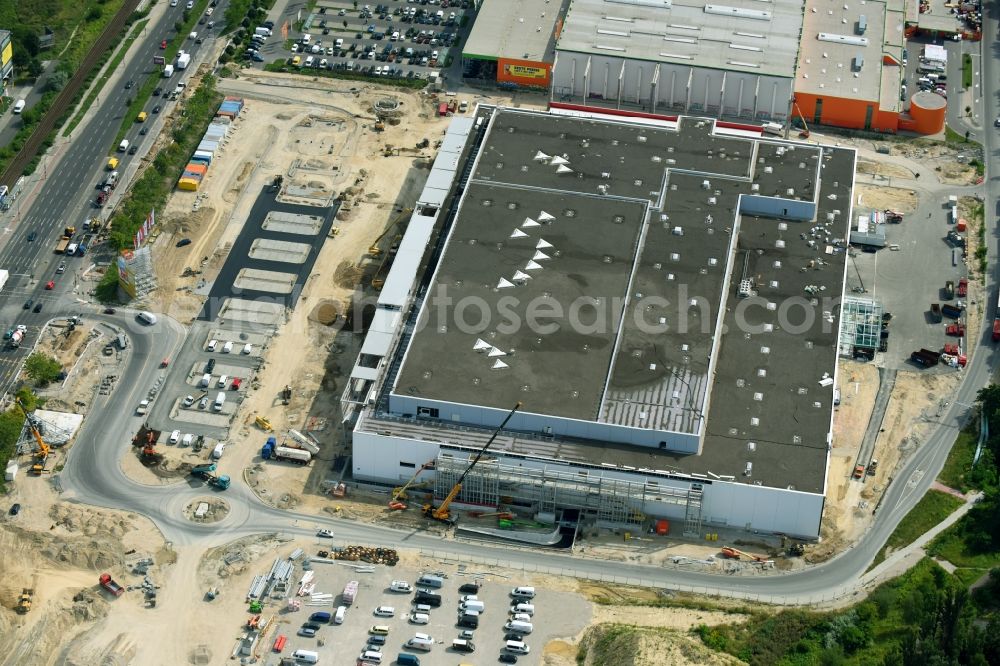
[[742, 35]]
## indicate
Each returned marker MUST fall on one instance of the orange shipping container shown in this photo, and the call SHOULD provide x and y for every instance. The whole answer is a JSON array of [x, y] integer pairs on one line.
[[961, 224], [195, 167], [662, 527]]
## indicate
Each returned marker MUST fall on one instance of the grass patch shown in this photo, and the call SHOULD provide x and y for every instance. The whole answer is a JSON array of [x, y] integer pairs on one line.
[[108, 73], [157, 182], [966, 71], [932, 508], [959, 462], [415, 84], [922, 617], [951, 136], [950, 545]]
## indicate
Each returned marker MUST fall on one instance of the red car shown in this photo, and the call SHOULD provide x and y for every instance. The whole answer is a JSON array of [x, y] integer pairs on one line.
[[50, 285], [236, 384], [101, 198], [163, 44]]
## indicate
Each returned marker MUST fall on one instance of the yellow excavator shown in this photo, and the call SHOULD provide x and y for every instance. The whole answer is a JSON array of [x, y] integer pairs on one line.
[[375, 251], [441, 512], [43, 448]]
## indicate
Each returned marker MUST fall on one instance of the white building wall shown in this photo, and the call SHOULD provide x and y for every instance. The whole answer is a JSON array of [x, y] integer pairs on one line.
[[680, 88], [731, 504]]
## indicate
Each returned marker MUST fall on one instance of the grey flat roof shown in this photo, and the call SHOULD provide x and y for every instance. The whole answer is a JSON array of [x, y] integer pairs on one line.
[[666, 228], [830, 45], [518, 29], [741, 35]]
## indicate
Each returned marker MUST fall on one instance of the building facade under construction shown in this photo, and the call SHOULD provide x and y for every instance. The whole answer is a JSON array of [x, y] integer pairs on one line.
[[661, 296]]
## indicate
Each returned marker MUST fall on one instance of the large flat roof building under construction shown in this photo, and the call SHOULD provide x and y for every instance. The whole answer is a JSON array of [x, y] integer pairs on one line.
[[661, 297]]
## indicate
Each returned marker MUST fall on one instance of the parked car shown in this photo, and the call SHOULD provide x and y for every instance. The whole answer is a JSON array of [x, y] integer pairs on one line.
[[188, 401], [15, 508], [385, 611]]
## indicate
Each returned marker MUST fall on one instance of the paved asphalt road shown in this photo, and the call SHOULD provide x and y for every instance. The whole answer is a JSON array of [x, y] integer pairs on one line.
[[91, 476], [65, 198]]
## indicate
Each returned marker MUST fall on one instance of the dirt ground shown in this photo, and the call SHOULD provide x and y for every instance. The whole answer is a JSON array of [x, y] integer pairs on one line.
[[881, 198]]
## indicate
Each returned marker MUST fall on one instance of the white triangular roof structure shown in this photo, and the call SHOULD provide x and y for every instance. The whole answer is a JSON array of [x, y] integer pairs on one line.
[[542, 243], [496, 352], [545, 217], [558, 160], [521, 276], [517, 233], [563, 169], [539, 256], [532, 266], [528, 222], [504, 283], [481, 345], [540, 156], [499, 365]]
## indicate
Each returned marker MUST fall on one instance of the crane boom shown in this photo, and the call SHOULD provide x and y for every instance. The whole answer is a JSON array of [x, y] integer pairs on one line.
[[43, 448], [441, 513]]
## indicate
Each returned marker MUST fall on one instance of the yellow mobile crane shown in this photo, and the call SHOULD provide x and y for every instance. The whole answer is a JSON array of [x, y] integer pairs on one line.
[[441, 513], [43, 448]]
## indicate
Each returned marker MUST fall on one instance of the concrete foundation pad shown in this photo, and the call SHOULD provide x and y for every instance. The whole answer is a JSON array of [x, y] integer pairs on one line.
[[252, 279], [252, 313], [291, 223], [266, 249]]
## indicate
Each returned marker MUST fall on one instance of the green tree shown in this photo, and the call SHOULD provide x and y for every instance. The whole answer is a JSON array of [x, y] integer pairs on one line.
[[57, 81], [42, 369]]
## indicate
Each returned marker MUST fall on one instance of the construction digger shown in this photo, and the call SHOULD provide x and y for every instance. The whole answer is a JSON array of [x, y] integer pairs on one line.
[[441, 512], [736, 554], [375, 251], [43, 449], [399, 496], [207, 473]]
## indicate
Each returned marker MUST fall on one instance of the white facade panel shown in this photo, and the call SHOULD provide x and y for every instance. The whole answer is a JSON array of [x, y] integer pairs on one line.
[[680, 88], [733, 504]]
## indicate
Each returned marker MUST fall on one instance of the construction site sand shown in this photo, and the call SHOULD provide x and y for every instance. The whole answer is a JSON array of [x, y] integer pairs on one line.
[[879, 197]]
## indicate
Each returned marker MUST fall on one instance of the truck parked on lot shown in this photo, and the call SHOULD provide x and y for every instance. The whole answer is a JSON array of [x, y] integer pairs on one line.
[[925, 358], [350, 592], [963, 287], [936, 313], [4, 276], [109, 584], [949, 290], [951, 311], [272, 451]]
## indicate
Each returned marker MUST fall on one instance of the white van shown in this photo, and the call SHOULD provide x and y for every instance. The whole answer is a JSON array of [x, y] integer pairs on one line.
[[350, 65], [421, 642], [220, 400], [19, 106], [228, 347], [206, 380], [306, 39], [338, 617], [338, 44], [175, 436], [477, 606], [123, 146], [219, 449], [419, 618], [212, 344], [188, 440], [523, 592], [307, 656], [370, 656], [147, 317], [517, 647], [519, 627], [222, 381], [309, 62], [527, 609]]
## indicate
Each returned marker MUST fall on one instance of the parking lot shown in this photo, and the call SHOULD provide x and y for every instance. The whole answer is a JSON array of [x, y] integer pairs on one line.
[[396, 39], [555, 614]]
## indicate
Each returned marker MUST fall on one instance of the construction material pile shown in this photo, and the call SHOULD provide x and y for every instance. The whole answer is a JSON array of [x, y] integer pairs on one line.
[[387, 556]]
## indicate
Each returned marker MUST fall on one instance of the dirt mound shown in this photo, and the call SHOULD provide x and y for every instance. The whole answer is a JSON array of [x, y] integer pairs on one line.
[[326, 313], [624, 645], [347, 275], [235, 557]]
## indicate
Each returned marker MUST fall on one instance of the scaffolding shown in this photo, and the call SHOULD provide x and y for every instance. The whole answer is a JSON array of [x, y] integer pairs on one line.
[[611, 501], [861, 325], [135, 272]]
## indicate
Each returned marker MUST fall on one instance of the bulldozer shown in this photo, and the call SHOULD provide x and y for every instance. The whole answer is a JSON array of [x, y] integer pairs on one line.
[[24, 600]]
